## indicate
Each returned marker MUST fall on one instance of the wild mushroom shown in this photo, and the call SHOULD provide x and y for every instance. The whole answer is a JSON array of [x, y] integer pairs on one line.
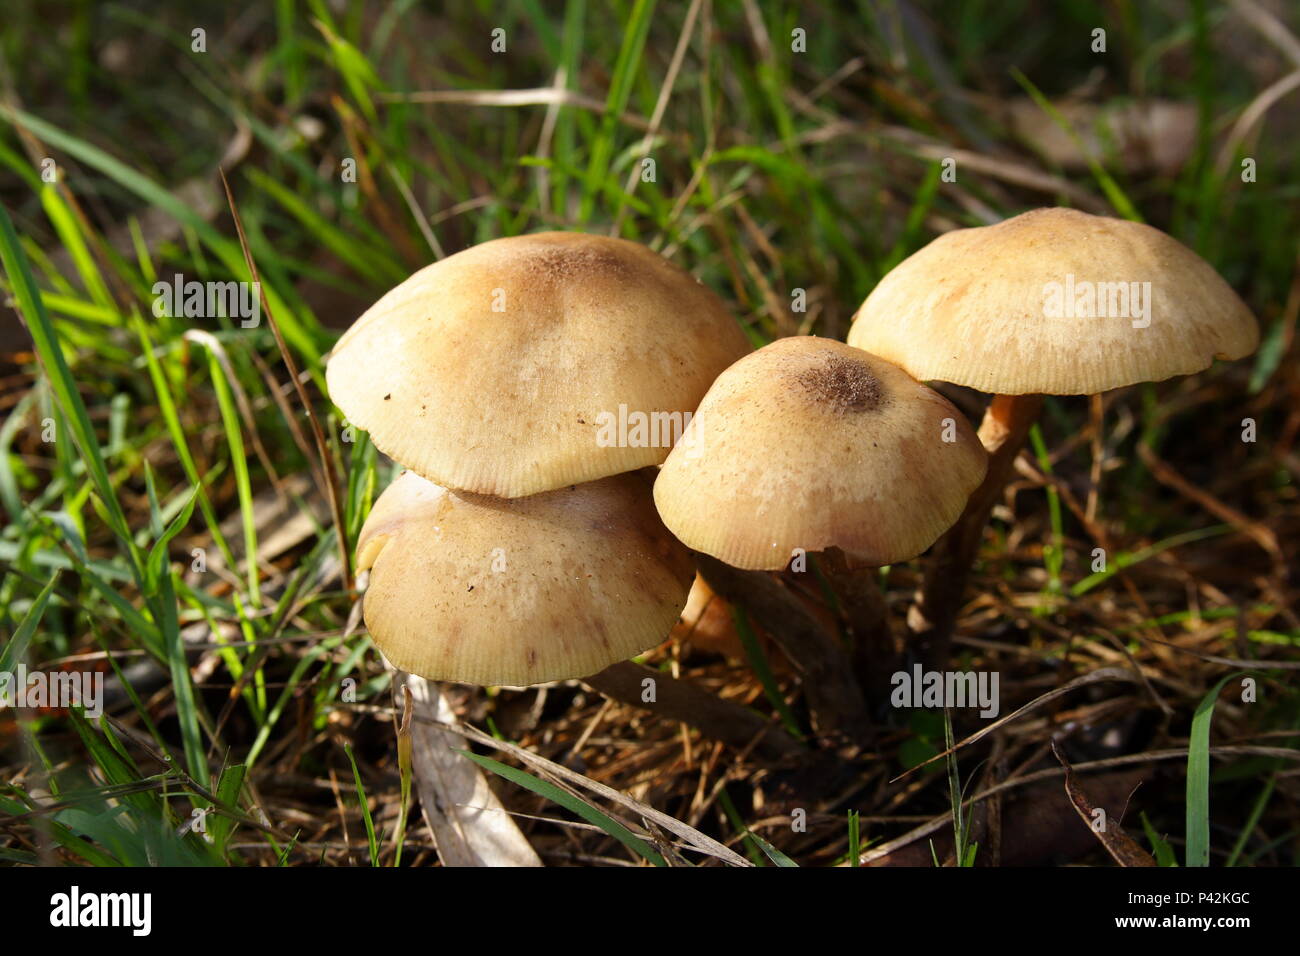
[[530, 363], [811, 444], [1054, 301], [485, 590]]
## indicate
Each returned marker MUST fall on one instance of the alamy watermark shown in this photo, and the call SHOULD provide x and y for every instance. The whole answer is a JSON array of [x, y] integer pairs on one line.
[[194, 299], [75, 909], [946, 689], [1084, 299], [635, 429], [63, 689]]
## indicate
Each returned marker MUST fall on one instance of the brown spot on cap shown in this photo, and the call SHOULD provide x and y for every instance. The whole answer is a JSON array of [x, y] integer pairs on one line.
[[820, 442], [566, 261], [843, 383]]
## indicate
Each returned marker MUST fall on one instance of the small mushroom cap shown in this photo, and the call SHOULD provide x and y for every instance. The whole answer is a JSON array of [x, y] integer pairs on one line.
[[978, 307], [808, 443], [498, 369], [486, 590]]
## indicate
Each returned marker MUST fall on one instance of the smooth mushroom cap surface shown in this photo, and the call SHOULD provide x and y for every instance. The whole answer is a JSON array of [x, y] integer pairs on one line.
[[1045, 303], [809, 443], [487, 590], [501, 369]]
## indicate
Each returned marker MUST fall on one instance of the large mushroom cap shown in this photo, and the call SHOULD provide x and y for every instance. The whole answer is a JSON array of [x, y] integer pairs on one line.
[[808, 443], [498, 370], [1005, 308], [486, 590]]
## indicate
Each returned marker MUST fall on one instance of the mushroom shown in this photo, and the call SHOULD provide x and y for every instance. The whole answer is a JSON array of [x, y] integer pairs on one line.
[[707, 622], [530, 363], [485, 590], [811, 444], [1054, 301]]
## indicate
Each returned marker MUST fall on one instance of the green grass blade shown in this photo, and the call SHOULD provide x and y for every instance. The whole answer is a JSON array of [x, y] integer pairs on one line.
[[550, 791], [1128, 559], [305, 337], [1252, 821], [1163, 852], [16, 646], [1198, 777], [772, 853], [371, 839], [1054, 553], [243, 481], [754, 651], [626, 69], [176, 431], [62, 383], [1113, 192], [166, 613]]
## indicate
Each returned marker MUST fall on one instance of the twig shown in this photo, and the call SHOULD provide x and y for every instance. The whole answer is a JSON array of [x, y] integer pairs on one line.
[[327, 468]]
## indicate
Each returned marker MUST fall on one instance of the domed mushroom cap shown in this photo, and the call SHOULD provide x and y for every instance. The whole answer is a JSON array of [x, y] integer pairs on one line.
[[486, 590], [1054, 301], [808, 443], [501, 370]]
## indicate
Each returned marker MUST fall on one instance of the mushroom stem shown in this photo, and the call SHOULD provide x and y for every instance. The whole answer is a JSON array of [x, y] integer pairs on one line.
[[931, 619], [682, 701], [834, 697], [865, 619]]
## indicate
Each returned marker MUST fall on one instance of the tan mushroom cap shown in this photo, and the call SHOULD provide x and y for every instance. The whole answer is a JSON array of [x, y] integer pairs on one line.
[[487, 590], [808, 443], [492, 370], [975, 308]]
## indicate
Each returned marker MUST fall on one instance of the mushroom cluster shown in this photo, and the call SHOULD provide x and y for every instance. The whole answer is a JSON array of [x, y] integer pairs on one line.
[[525, 544], [521, 545]]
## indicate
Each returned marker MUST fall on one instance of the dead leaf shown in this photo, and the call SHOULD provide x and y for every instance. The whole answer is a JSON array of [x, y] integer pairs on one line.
[[469, 824], [1122, 847]]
